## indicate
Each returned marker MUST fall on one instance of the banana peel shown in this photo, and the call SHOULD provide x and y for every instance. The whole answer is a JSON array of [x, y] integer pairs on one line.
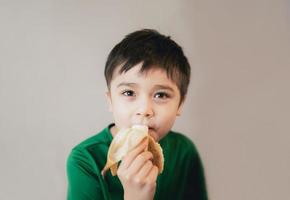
[[126, 140]]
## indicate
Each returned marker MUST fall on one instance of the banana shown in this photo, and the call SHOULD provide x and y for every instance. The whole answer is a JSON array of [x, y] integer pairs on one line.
[[126, 140]]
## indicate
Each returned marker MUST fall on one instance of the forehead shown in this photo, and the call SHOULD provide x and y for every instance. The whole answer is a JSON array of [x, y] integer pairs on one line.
[[154, 75]]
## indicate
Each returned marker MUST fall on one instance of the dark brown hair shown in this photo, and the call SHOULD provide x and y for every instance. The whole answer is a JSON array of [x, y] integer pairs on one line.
[[153, 50]]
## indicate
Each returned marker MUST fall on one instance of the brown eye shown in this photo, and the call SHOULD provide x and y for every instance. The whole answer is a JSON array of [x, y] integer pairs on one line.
[[161, 95], [128, 93]]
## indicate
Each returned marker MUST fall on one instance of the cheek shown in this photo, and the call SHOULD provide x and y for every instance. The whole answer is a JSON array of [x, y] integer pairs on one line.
[[169, 110], [167, 117], [121, 113], [168, 121]]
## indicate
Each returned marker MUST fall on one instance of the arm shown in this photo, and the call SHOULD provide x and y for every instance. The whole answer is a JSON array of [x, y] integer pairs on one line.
[[83, 182], [196, 185]]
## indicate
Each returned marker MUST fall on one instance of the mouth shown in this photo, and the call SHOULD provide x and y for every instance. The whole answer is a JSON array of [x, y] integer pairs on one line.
[[151, 129]]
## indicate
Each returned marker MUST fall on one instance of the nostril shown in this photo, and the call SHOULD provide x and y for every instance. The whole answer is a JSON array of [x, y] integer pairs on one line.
[[145, 110]]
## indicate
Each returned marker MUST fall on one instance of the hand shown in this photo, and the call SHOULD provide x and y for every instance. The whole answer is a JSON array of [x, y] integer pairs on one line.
[[137, 174]]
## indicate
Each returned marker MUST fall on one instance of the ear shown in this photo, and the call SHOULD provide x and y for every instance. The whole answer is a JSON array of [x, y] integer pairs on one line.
[[178, 113], [109, 100]]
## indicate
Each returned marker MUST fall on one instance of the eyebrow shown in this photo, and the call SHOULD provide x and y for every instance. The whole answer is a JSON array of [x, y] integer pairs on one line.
[[163, 87], [126, 84]]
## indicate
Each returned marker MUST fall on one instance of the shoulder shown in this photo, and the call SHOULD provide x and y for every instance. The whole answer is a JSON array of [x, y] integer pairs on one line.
[[178, 136], [178, 142], [178, 139], [101, 138], [88, 150]]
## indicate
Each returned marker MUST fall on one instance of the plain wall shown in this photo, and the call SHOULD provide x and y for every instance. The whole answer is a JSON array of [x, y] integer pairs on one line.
[[52, 55]]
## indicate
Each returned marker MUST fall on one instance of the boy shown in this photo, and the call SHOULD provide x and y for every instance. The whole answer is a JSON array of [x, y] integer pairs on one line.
[[147, 76]]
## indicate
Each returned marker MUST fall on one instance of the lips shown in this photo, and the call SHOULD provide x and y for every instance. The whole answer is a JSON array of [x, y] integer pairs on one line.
[[150, 128]]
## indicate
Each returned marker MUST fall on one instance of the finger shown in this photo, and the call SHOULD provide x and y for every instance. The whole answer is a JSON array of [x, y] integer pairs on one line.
[[128, 159], [144, 171], [152, 176], [139, 162]]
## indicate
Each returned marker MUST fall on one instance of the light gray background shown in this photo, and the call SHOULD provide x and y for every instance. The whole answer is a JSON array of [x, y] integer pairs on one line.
[[52, 55]]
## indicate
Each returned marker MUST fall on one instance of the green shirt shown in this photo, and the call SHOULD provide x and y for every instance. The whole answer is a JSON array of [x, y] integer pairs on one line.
[[182, 177]]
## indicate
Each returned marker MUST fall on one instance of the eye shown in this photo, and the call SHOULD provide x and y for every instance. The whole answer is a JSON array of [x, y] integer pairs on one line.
[[161, 95], [128, 93]]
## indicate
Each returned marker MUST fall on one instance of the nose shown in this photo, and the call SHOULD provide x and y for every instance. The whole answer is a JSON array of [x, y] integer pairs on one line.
[[145, 109]]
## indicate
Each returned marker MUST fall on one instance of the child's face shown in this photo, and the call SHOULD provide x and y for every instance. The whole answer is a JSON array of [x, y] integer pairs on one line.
[[148, 98]]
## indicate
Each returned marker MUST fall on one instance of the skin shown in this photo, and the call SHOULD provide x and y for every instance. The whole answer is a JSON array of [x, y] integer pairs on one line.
[[149, 98]]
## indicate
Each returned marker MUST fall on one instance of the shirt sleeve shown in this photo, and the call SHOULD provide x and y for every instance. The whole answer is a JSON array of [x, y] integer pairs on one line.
[[196, 184], [83, 181]]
